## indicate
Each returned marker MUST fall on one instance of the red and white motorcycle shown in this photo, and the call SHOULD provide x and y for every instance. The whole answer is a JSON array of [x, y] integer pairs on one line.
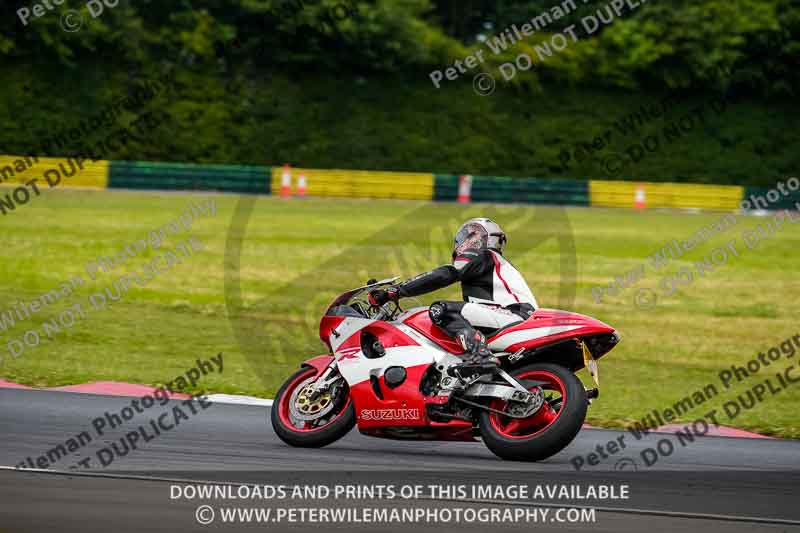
[[395, 374]]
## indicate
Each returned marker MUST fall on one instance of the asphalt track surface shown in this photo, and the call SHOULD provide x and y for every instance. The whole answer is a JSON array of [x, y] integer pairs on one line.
[[711, 484]]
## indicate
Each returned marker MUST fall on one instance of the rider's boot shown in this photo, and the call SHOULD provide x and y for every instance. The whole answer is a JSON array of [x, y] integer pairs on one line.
[[477, 356]]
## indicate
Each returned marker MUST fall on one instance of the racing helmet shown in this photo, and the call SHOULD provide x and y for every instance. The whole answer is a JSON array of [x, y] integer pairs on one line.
[[479, 234]]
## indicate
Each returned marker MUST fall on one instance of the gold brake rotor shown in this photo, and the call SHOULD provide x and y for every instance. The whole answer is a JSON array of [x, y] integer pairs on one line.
[[307, 406]]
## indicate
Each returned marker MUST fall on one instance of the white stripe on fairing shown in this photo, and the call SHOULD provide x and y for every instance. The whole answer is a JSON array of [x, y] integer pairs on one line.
[[357, 371], [514, 337], [419, 337], [346, 329], [440, 355]]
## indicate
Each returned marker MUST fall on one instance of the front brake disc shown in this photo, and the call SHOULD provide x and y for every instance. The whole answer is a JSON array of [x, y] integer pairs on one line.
[[308, 405]]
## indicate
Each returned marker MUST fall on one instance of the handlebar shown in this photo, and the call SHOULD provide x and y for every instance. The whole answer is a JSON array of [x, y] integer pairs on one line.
[[386, 312], [350, 299]]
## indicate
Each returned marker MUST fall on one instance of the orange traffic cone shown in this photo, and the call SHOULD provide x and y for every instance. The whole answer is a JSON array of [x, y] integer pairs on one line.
[[286, 182], [464, 189], [640, 200], [301, 185]]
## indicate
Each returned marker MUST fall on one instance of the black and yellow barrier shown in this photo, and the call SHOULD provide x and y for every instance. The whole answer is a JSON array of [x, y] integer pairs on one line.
[[66, 172], [665, 195], [357, 183], [288, 181]]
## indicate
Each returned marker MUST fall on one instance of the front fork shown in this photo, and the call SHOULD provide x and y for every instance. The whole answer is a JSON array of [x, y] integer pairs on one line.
[[328, 377]]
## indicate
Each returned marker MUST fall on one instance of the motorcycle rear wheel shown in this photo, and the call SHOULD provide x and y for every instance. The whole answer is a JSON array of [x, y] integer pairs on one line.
[[546, 432], [312, 434]]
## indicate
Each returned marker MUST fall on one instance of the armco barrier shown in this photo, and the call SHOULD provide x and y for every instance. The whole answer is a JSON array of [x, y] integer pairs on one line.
[[531, 190], [516, 190], [445, 188], [72, 173], [360, 183], [665, 195], [178, 176], [760, 199], [15, 170]]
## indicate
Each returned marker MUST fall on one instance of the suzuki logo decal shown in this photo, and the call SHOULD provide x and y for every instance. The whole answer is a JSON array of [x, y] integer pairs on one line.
[[389, 414]]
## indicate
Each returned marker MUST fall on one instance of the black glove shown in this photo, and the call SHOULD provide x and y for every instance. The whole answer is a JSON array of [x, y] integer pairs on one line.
[[379, 297]]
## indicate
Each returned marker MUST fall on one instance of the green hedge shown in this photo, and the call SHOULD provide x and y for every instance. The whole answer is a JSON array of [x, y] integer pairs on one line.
[[312, 120]]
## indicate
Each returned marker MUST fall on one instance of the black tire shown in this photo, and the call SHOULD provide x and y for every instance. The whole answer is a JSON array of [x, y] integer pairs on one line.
[[317, 438], [553, 438]]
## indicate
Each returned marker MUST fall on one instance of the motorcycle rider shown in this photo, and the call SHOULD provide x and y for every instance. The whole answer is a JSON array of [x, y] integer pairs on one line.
[[495, 293]]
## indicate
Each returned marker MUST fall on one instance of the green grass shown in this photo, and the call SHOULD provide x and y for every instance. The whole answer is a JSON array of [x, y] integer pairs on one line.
[[296, 255]]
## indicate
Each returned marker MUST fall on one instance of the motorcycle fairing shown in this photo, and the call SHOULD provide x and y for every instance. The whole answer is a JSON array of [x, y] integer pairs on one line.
[[414, 343], [376, 404], [400, 406], [545, 327], [420, 320]]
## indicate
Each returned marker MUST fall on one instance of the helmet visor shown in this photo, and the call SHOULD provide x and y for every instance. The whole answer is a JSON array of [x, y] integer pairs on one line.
[[471, 237]]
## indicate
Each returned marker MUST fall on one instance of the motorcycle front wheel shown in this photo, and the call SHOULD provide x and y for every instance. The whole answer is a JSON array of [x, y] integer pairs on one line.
[[308, 421], [547, 431]]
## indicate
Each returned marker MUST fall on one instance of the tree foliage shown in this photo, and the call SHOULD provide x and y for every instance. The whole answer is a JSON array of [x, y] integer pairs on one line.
[[243, 69], [682, 43]]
